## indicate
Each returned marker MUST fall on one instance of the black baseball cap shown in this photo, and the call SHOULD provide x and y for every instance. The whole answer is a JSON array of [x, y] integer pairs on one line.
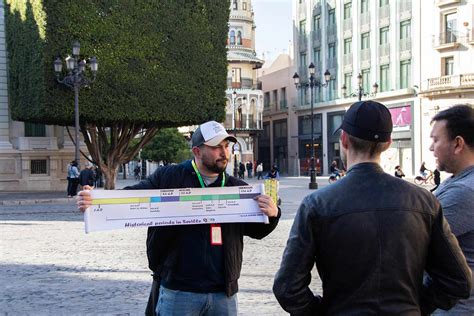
[[368, 120], [210, 133]]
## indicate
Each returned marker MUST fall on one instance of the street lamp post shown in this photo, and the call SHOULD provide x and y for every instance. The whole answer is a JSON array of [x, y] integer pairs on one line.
[[236, 167], [312, 83], [360, 90], [75, 79]]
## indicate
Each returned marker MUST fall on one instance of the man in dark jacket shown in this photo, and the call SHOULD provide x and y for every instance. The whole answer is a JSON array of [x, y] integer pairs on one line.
[[87, 175], [196, 267], [372, 237]]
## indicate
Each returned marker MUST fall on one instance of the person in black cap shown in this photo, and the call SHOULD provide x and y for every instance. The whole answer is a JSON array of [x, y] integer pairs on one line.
[[372, 237], [196, 267]]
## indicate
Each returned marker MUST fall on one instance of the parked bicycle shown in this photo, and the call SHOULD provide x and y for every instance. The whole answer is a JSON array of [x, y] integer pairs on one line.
[[422, 180]]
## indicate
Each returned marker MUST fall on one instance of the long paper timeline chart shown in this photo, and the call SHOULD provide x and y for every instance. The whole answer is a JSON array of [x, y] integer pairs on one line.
[[119, 209]]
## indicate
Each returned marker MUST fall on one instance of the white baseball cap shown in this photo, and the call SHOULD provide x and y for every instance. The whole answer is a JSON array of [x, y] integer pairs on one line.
[[211, 134]]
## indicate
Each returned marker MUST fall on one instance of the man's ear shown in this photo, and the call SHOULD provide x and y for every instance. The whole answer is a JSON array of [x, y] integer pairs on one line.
[[459, 144], [344, 139], [196, 152], [388, 143]]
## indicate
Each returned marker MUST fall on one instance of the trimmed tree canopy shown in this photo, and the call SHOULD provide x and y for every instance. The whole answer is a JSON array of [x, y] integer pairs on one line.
[[161, 63]]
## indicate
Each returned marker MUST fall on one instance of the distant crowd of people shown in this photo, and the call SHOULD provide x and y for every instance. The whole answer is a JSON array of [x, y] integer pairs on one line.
[[76, 179], [248, 167]]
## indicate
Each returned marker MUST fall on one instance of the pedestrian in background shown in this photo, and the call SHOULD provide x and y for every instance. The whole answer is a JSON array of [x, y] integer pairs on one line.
[[259, 171], [241, 170], [196, 267], [437, 179], [87, 175], [249, 167], [372, 237], [453, 147], [73, 179], [423, 170], [399, 172], [273, 174]]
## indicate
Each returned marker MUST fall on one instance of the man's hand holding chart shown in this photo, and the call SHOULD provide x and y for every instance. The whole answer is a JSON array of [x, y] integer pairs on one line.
[[119, 209]]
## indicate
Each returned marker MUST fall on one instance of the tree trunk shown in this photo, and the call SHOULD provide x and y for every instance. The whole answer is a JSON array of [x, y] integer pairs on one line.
[[110, 175], [111, 146]]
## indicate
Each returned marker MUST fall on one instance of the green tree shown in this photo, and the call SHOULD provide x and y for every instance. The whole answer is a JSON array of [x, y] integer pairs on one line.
[[161, 64], [168, 145]]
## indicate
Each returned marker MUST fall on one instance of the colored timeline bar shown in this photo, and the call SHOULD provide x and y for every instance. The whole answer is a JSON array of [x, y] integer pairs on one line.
[[182, 198]]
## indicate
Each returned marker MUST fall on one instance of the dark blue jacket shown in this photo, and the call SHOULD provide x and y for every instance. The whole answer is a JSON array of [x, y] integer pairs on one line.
[[182, 255], [372, 237]]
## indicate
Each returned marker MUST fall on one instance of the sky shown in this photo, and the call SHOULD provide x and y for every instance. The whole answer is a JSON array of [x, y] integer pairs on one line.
[[273, 19]]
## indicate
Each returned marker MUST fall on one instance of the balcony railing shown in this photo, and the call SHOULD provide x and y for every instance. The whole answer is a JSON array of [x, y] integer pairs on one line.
[[331, 63], [365, 55], [331, 31], [365, 20], [405, 44], [303, 42], [451, 82], [317, 38], [317, 8], [303, 73], [404, 5], [302, 10], [445, 38], [347, 24], [257, 85], [384, 50], [384, 12], [347, 59]]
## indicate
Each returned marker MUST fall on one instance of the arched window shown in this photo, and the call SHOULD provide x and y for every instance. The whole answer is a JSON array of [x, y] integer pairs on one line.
[[232, 38], [239, 38]]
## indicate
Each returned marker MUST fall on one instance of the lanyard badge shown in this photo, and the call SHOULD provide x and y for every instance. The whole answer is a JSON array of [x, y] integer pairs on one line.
[[216, 235], [216, 230]]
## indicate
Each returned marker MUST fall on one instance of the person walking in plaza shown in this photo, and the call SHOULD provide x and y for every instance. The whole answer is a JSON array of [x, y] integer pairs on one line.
[[399, 172], [259, 171], [334, 170], [273, 174], [73, 179], [370, 246], [249, 167], [196, 267], [87, 175], [453, 147], [241, 170], [436, 179], [136, 172]]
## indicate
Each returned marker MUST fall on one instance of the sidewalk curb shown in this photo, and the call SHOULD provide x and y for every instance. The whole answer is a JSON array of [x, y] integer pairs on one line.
[[37, 201]]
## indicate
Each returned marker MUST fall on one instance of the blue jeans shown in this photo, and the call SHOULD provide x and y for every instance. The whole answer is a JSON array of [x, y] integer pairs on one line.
[[179, 303]]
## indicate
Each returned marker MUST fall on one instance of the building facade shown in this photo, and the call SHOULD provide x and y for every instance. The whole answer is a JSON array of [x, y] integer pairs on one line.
[[371, 50], [32, 156], [447, 67], [278, 141], [244, 97]]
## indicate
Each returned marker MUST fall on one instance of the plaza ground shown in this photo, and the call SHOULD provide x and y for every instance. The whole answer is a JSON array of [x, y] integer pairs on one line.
[[49, 266]]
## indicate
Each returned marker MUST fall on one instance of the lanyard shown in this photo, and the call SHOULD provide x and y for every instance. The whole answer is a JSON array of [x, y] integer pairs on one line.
[[200, 178]]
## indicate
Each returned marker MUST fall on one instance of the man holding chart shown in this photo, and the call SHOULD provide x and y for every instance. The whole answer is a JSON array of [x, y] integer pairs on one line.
[[196, 267]]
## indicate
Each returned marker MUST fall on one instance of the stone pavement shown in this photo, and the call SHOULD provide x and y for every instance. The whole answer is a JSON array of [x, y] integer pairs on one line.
[[49, 266]]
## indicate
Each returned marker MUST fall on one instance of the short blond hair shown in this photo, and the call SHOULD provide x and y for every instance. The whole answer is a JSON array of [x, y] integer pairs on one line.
[[367, 146]]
